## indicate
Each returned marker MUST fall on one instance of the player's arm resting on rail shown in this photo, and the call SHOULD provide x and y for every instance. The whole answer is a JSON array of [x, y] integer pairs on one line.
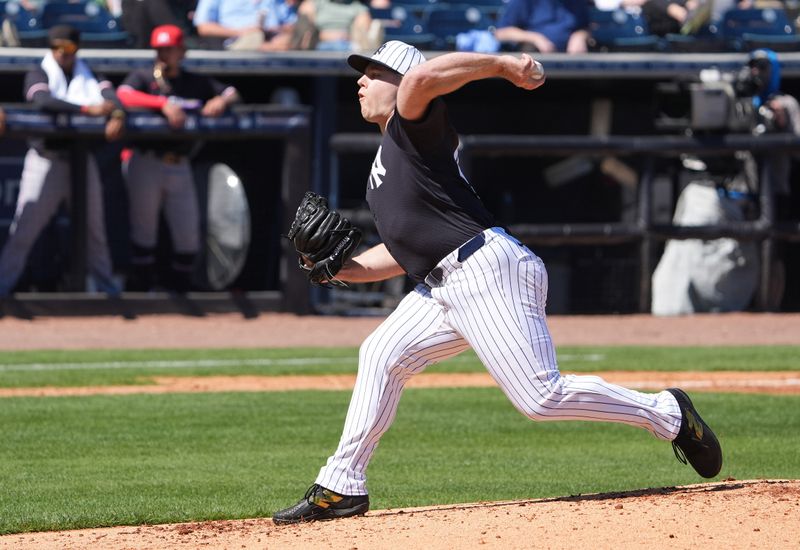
[[37, 92], [375, 264], [449, 72], [131, 97], [224, 97], [115, 125]]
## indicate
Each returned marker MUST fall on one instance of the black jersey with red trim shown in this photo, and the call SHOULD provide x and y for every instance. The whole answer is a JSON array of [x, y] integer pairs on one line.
[[423, 205], [185, 85]]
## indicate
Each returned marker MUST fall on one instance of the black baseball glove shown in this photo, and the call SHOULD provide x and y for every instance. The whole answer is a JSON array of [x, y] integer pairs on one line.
[[323, 239]]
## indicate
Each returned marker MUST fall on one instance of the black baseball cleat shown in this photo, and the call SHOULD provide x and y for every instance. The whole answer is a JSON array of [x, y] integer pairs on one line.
[[321, 503], [696, 443]]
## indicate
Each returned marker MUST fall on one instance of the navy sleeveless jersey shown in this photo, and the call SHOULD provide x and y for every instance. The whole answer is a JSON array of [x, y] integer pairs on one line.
[[423, 206]]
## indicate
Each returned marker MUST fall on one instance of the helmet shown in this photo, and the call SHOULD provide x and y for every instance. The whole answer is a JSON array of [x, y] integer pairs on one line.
[[166, 36]]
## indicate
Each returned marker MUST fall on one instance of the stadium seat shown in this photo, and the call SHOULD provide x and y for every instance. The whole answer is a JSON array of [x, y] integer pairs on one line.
[[707, 42], [29, 29], [619, 30], [400, 24], [492, 8], [446, 22], [740, 26], [416, 7], [97, 26]]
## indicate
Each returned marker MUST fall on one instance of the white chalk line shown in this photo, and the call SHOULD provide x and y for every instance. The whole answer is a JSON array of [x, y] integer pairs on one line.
[[217, 363]]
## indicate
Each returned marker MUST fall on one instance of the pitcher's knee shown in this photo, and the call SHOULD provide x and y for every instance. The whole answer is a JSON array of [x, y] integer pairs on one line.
[[543, 404], [372, 354]]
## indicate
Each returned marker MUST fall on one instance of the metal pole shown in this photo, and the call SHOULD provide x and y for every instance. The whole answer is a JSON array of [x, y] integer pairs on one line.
[[644, 222], [767, 218], [295, 182], [76, 277]]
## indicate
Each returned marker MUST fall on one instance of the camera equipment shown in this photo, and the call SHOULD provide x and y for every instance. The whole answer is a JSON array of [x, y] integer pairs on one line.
[[717, 102]]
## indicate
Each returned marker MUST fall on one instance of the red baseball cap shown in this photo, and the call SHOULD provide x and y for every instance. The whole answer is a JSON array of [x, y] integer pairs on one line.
[[166, 36]]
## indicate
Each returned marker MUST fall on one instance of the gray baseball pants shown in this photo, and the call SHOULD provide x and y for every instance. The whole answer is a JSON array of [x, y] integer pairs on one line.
[[45, 183]]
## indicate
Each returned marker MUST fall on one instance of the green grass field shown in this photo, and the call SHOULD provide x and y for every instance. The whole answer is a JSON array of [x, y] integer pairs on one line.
[[69, 462]]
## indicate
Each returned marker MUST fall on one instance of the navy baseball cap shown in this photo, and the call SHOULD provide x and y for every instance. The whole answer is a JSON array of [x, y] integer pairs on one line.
[[59, 34], [395, 55]]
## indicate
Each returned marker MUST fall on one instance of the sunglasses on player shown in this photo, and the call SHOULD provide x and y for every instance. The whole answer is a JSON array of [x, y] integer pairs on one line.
[[64, 46]]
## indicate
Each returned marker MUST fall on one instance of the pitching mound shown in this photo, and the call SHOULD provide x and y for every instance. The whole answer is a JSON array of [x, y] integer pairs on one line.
[[730, 514]]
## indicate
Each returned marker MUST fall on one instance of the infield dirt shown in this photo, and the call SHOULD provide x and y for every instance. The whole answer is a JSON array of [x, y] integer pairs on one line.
[[728, 514]]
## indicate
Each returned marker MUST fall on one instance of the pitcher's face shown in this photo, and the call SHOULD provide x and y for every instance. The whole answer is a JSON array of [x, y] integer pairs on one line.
[[377, 93]]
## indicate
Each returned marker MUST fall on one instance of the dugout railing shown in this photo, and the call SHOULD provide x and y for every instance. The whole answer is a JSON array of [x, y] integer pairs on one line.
[[643, 231]]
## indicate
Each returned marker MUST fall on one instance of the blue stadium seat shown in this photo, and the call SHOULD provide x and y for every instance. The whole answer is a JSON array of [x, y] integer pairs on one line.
[[97, 26], [446, 22], [619, 30], [705, 39], [707, 42], [30, 30], [400, 24], [742, 26], [416, 7], [492, 8]]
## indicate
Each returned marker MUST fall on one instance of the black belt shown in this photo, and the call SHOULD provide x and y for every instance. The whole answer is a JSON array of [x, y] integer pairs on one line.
[[434, 278], [470, 247]]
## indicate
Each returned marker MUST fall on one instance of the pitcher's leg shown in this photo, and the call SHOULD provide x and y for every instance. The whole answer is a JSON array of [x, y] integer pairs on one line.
[[502, 316], [411, 338]]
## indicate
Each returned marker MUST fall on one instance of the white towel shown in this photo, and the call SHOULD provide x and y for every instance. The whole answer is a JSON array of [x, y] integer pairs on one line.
[[83, 89]]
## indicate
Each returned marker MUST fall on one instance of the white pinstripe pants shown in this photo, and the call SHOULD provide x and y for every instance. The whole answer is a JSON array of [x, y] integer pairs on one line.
[[495, 303]]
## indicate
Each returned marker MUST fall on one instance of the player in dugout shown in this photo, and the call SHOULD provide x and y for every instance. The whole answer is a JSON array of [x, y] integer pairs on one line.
[[62, 83], [158, 172]]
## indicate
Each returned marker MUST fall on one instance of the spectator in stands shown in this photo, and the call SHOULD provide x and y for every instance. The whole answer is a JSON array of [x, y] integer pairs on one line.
[[265, 25], [114, 7], [32, 5], [158, 173], [140, 17], [339, 25], [545, 26], [61, 83], [670, 16], [685, 16]]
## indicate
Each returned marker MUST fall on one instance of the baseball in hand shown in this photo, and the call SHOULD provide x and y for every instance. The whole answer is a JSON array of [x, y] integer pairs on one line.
[[537, 69]]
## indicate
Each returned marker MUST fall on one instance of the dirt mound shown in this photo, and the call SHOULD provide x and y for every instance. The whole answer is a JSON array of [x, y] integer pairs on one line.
[[730, 514]]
